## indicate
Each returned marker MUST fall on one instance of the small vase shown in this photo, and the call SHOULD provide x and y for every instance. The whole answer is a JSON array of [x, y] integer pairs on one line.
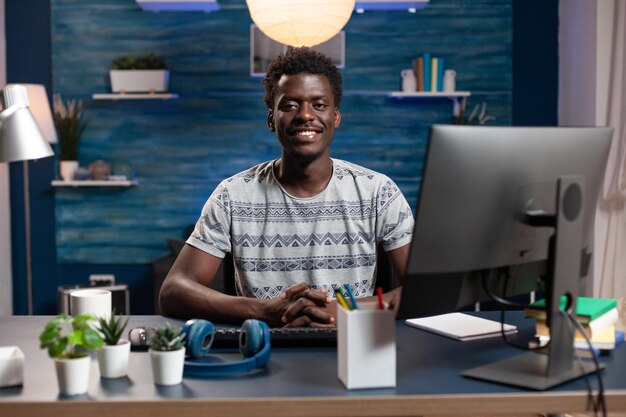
[[68, 170], [167, 366], [113, 359], [73, 375]]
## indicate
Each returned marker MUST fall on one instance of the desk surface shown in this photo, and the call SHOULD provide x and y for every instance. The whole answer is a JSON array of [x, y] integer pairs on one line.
[[302, 382]]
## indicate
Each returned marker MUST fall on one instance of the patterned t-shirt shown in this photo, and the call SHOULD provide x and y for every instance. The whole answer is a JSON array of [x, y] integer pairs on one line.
[[278, 240]]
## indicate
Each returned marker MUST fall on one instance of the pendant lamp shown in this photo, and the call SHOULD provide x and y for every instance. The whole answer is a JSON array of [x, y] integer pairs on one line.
[[300, 22]]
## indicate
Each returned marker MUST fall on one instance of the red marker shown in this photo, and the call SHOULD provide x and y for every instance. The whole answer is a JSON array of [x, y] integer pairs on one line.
[[379, 292]]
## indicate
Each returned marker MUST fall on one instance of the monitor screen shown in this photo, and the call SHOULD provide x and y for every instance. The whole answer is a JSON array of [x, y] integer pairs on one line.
[[478, 186]]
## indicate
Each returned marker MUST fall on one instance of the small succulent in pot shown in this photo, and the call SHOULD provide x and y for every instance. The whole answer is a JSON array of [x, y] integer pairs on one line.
[[112, 328], [167, 338]]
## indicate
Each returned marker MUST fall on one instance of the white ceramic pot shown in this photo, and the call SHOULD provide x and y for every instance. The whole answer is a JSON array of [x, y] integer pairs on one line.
[[67, 169], [113, 359], [139, 81], [167, 367], [73, 375]]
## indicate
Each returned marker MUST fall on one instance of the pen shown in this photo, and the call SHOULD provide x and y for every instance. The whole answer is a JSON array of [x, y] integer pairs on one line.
[[379, 293], [351, 295], [341, 300]]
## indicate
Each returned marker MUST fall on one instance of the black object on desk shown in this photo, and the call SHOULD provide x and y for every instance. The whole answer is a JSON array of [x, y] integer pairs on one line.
[[228, 337]]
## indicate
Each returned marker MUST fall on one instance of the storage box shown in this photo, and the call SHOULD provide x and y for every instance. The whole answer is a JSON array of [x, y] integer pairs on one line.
[[11, 366], [366, 347]]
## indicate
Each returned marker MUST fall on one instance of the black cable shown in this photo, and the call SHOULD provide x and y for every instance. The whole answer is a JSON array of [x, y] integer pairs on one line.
[[504, 301], [590, 398], [601, 403]]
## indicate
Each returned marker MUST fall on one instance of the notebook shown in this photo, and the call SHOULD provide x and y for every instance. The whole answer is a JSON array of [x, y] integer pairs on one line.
[[461, 326]]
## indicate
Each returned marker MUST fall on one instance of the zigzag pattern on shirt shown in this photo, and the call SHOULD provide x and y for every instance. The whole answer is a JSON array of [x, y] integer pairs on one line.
[[322, 239], [390, 227], [305, 263], [388, 192], [279, 212], [359, 289]]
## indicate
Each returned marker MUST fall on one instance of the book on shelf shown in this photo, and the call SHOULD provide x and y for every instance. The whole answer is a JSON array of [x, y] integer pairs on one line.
[[440, 70], [418, 67], [427, 71], [434, 71], [592, 328], [587, 308]]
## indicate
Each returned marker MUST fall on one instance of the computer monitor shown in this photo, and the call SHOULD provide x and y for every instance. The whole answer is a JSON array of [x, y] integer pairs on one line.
[[515, 199]]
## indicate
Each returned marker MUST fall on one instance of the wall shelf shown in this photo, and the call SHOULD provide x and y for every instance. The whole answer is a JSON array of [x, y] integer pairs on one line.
[[135, 96], [95, 183], [429, 94], [454, 96]]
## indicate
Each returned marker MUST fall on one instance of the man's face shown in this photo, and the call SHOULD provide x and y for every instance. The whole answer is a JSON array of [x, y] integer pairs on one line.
[[304, 116]]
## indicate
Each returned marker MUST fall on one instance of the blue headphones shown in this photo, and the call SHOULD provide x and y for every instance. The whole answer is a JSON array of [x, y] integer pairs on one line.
[[254, 345]]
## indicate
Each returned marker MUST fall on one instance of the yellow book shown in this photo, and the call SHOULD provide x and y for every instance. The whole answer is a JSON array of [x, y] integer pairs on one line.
[[607, 319]]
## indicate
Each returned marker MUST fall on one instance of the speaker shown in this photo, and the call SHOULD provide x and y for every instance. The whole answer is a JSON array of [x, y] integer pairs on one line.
[[254, 345]]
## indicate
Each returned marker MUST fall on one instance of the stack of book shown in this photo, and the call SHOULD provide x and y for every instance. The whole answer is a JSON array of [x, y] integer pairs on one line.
[[597, 316], [428, 72]]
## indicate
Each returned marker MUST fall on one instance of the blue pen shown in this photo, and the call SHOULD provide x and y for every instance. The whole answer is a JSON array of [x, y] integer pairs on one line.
[[351, 295]]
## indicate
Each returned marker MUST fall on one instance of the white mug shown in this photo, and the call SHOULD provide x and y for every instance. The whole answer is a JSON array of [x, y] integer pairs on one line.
[[449, 81], [409, 83], [91, 301]]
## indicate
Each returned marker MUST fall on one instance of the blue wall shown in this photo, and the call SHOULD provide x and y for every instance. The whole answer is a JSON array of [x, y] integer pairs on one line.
[[180, 149]]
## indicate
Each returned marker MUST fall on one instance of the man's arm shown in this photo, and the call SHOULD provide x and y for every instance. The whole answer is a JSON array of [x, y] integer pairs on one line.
[[303, 316], [185, 294]]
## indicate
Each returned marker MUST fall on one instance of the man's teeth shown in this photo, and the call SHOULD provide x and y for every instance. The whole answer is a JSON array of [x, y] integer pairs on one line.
[[306, 133]]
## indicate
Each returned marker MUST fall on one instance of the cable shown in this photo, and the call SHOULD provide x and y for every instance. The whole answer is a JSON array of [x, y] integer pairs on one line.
[[601, 402], [503, 301]]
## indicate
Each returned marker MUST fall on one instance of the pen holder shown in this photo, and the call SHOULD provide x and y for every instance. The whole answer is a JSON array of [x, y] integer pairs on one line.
[[366, 347]]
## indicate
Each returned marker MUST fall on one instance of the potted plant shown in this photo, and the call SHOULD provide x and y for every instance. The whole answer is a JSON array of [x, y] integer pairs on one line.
[[139, 74], [114, 354], [68, 342], [70, 124], [167, 355], [478, 116]]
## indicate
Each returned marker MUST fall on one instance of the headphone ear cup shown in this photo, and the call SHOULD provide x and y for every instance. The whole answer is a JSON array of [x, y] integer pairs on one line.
[[199, 335], [251, 338]]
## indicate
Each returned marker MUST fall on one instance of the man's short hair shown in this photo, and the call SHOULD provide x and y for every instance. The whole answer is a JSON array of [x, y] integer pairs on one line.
[[298, 61]]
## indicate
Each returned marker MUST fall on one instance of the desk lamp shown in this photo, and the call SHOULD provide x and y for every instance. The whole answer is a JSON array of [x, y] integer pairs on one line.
[[22, 139]]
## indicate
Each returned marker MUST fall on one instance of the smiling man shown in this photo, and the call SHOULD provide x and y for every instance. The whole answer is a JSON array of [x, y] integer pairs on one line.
[[297, 226]]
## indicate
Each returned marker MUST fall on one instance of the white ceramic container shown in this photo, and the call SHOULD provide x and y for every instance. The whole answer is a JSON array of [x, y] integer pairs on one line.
[[91, 301], [167, 367], [73, 375], [139, 81], [113, 359]]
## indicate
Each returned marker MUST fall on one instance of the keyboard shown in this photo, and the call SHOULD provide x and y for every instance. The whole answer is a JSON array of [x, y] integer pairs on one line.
[[228, 337]]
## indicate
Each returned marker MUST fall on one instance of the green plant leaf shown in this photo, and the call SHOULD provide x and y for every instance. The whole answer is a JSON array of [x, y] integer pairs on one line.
[[91, 339], [56, 348]]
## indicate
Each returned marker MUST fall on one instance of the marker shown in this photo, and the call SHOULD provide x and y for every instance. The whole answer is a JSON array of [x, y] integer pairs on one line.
[[379, 293], [341, 300], [346, 298], [351, 295]]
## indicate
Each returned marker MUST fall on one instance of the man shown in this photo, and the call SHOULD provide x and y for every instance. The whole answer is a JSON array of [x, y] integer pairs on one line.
[[297, 226]]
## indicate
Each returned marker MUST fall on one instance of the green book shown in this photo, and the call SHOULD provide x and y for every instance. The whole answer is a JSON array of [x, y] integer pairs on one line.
[[587, 308]]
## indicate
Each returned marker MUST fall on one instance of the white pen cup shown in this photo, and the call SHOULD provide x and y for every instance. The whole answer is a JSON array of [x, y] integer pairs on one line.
[[366, 347], [91, 301]]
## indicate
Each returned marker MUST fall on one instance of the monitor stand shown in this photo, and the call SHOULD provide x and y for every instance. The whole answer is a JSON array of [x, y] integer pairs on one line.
[[541, 371]]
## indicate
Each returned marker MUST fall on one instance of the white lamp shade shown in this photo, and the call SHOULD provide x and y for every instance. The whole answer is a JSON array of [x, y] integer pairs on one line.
[[20, 136], [39, 106], [300, 22]]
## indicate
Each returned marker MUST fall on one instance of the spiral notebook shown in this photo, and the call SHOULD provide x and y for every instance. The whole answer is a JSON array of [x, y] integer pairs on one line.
[[461, 326]]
